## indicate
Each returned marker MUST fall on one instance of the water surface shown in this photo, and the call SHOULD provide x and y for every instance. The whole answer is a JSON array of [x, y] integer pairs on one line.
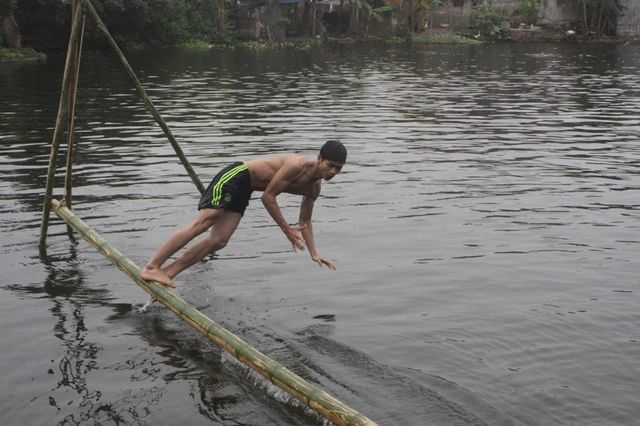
[[486, 231]]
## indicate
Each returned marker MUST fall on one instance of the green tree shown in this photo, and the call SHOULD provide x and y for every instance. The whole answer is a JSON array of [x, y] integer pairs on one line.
[[599, 16], [360, 6], [486, 19], [44, 23], [7, 7], [131, 22], [527, 9], [207, 19]]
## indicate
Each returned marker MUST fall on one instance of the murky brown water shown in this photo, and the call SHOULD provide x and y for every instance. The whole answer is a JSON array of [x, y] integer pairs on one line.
[[486, 231]]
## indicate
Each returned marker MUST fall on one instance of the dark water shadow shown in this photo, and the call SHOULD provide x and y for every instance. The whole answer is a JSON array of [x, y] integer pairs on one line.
[[72, 298], [227, 390]]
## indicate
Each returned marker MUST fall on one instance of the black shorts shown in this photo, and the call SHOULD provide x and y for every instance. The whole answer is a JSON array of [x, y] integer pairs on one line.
[[229, 190]]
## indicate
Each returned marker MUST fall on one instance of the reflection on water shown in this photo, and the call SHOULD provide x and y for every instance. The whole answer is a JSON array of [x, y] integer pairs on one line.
[[71, 297], [485, 232]]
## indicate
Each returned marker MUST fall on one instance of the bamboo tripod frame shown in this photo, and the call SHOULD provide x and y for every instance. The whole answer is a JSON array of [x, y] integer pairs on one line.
[[310, 395], [66, 109]]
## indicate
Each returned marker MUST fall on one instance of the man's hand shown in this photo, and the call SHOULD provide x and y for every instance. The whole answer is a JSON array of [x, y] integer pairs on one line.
[[293, 234], [320, 260]]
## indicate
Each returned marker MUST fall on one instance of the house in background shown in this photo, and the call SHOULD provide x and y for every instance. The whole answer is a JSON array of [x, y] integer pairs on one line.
[[553, 14]]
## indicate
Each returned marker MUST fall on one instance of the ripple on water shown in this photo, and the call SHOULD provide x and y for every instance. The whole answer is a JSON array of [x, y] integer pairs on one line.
[[484, 230]]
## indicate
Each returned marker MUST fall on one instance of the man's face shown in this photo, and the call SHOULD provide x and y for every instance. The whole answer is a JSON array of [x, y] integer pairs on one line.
[[330, 168]]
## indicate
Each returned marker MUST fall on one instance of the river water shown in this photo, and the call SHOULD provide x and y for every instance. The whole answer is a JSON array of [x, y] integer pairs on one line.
[[486, 233]]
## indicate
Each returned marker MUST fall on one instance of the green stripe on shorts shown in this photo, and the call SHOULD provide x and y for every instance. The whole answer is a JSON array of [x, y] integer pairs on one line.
[[217, 189]]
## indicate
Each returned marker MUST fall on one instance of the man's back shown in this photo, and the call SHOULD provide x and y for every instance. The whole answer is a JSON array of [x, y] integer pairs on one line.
[[295, 169]]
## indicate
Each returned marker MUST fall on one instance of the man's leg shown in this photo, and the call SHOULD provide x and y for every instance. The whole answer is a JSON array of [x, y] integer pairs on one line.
[[152, 271], [217, 239]]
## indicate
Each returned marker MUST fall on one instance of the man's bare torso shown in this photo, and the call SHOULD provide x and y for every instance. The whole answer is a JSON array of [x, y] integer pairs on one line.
[[262, 171]]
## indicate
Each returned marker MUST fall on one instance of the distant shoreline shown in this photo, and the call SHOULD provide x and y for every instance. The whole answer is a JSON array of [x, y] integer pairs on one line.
[[436, 37], [24, 54]]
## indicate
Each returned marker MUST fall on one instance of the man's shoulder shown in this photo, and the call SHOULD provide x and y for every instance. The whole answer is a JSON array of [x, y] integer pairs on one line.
[[295, 163], [278, 161], [297, 159]]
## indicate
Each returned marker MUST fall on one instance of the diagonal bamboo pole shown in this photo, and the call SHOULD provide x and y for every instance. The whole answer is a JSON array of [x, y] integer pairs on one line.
[[78, 7], [57, 133], [309, 394], [146, 99]]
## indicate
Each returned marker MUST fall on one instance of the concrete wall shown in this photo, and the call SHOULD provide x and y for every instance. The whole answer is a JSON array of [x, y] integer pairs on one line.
[[10, 32], [450, 18], [629, 24], [560, 14]]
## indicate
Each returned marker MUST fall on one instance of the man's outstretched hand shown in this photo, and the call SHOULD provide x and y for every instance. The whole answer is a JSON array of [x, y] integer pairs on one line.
[[293, 234], [320, 260]]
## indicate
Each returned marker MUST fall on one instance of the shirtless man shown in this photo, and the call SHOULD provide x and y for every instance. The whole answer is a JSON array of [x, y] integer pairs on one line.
[[224, 201]]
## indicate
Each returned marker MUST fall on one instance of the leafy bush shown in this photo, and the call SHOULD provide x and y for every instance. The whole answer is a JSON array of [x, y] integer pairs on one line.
[[402, 31], [396, 40], [486, 19], [18, 53], [7, 7], [529, 8], [444, 39], [132, 23]]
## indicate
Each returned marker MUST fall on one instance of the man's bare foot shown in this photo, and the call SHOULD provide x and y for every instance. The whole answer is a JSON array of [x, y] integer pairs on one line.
[[157, 275]]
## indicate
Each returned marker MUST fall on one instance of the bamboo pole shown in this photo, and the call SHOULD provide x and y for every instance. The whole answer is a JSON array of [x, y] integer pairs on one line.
[[57, 133], [309, 394], [73, 90], [313, 19], [146, 99]]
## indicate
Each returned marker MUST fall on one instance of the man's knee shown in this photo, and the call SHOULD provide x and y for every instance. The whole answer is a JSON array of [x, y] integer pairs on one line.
[[217, 242]]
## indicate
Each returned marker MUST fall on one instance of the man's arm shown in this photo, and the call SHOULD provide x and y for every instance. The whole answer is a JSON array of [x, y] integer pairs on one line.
[[289, 171], [306, 210]]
